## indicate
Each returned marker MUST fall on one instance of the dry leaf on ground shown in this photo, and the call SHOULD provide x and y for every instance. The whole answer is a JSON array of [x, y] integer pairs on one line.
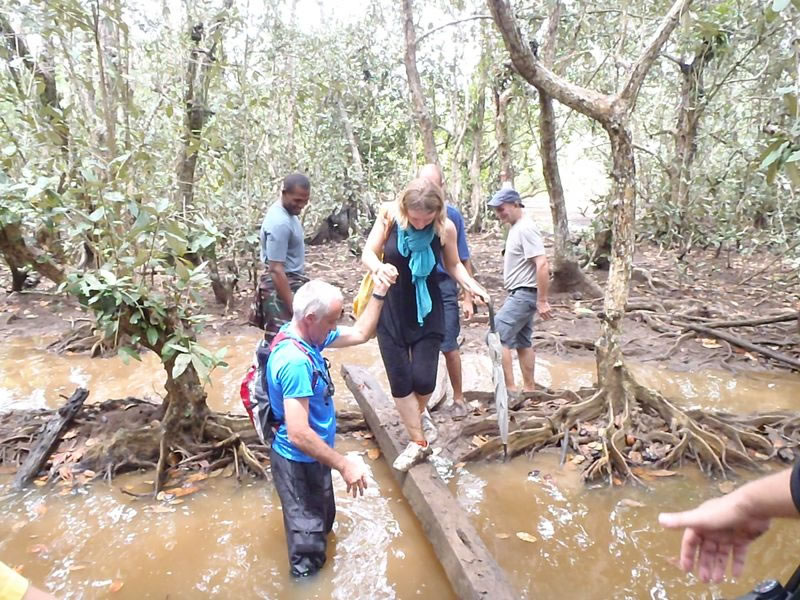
[[726, 487], [631, 503], [181, 491], [526, 537], [374, 453]]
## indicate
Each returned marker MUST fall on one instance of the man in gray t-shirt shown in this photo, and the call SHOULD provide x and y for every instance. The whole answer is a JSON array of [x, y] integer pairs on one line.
[[526, 276], [283, 251]]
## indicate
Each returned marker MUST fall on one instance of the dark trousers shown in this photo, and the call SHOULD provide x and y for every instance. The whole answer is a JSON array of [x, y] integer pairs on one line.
[[309, 508]]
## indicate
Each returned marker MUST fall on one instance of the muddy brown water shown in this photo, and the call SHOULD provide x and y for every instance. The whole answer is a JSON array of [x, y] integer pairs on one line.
[[226, 540]]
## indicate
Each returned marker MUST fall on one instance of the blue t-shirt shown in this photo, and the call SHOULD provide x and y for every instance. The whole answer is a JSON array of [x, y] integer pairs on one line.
[[289, 374], [461, 239]]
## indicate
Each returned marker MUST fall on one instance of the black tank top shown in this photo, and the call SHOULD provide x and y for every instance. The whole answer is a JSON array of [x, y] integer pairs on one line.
[[399, 315]]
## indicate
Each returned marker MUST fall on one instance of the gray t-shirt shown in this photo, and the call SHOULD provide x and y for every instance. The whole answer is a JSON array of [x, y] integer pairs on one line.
[[522, 244], [282, 239]]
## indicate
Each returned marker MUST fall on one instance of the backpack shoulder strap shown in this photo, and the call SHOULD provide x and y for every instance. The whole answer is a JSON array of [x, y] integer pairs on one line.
[[282, 337], [315, 372]]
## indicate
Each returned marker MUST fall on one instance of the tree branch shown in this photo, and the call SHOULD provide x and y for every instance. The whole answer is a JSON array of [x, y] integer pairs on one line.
[[588, 102], [642, 66], [450, 24]]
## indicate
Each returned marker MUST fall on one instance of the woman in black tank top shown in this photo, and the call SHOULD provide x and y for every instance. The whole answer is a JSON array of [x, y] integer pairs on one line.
[[410, 234]]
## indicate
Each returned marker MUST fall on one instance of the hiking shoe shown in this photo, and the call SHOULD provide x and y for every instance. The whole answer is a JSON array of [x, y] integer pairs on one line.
[[429, 428], [459, 410], [412, 455]]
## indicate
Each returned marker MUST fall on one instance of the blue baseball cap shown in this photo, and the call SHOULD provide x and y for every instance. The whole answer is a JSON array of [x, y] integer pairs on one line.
[[506, 196]]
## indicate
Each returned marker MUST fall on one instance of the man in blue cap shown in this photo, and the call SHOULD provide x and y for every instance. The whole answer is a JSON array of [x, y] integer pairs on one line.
[[526, 276]]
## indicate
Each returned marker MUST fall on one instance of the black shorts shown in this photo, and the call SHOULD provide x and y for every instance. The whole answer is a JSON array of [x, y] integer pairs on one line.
[[410, 368], [309, 508]]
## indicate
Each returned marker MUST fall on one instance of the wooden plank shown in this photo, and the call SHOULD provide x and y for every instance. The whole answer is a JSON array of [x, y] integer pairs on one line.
[[48, 440], [470, 567]]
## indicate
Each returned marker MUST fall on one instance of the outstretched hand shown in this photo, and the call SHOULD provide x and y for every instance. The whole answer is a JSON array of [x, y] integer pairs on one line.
[[717, 532]]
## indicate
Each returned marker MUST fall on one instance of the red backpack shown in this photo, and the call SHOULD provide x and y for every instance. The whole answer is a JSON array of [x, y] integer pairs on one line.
[[254, 389]]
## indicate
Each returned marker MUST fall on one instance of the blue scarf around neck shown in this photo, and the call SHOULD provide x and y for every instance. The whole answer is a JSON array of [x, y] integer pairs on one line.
[[417, 243]]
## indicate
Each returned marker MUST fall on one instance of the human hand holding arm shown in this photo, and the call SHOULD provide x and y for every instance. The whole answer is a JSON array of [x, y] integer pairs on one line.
[[723, 528], [364, 328], [308, 441], [542, 287]]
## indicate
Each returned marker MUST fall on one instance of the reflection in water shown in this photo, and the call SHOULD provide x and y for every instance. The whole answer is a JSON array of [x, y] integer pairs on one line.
[[599, 543], [225, 541], [744, 393], [32, 377]]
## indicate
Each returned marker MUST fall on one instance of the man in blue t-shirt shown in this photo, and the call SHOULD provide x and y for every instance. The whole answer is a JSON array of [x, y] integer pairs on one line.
[[301, 397], [452, 323]]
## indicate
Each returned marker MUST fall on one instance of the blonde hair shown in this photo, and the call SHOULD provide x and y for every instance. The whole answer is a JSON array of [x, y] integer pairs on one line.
[[424, 195]]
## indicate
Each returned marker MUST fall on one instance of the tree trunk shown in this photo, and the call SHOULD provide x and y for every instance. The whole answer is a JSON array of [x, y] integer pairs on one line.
[[197, 112], [610, 372], [361, 198], [195, 99], [221, 285], [18, 277], [108, 68], [689, 112], [421, 114], [17, 254], [477, 201], [567, 274], [502, 135], [43, 73]]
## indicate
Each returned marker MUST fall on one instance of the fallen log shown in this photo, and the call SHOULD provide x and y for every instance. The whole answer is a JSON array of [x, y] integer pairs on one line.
[[469, 565], [51, 433], [737, 341]]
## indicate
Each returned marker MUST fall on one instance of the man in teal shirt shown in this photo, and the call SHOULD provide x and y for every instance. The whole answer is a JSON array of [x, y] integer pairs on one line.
[[301, 398]]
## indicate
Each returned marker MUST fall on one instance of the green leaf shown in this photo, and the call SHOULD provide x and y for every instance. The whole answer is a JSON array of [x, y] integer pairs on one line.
[[779, 5], [774, 155], [109, 277], [152, 336], [128, 352], [97, 215], [772, 172], [793, 171], [181, 269], [200, 367], [181, 362]]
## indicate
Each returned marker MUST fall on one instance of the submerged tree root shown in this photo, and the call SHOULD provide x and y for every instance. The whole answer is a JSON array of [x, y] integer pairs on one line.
[[637, 432], [123, 435]]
